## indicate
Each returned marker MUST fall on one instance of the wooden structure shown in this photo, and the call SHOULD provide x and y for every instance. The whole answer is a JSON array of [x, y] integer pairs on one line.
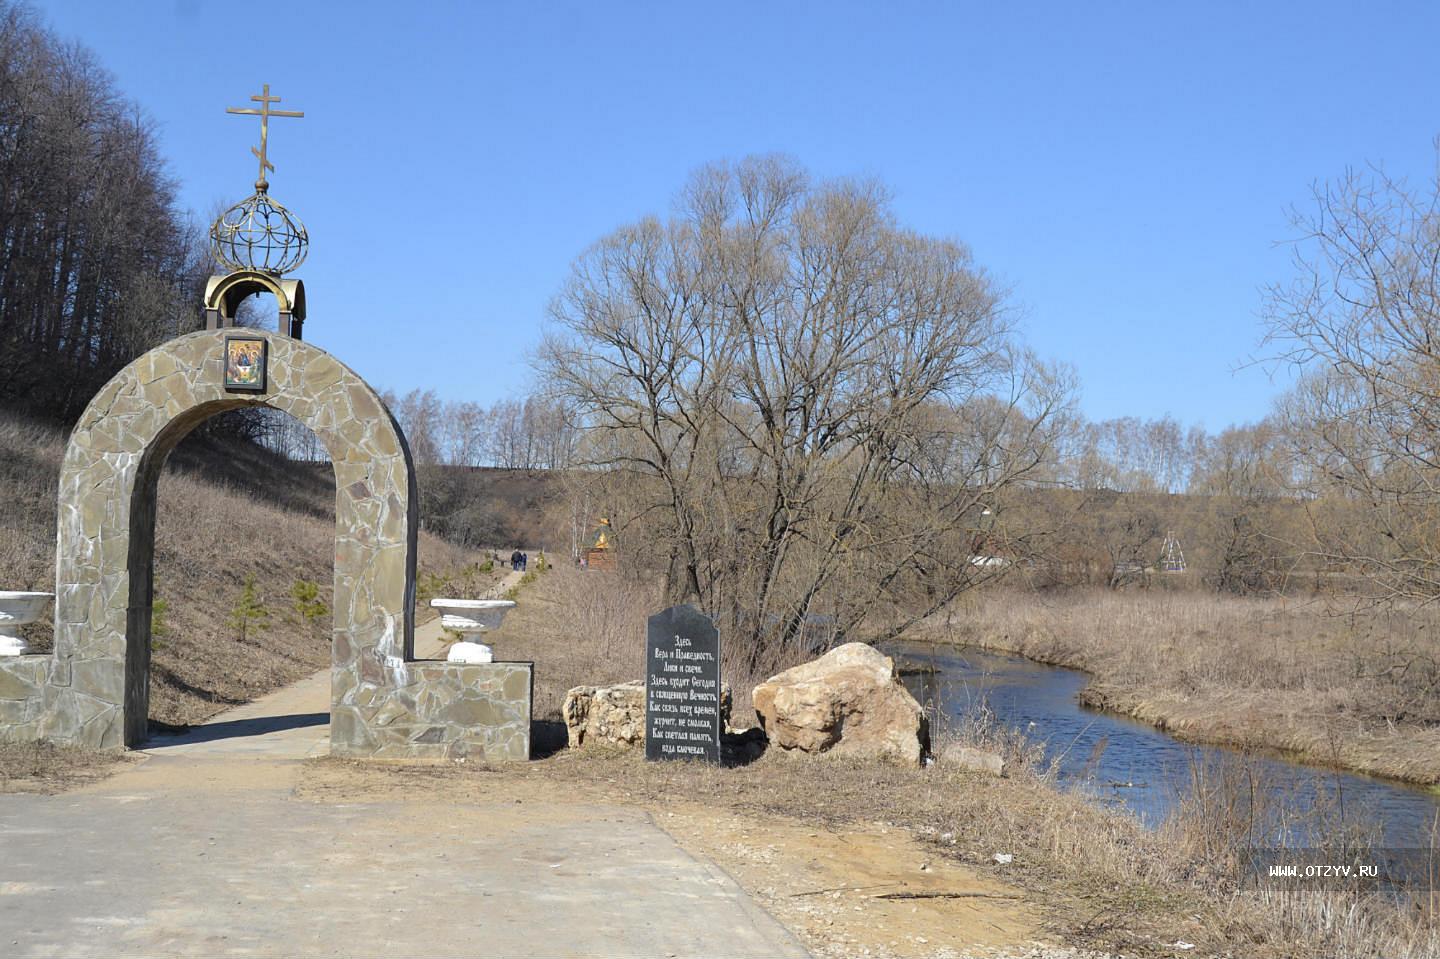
[[600, 554]]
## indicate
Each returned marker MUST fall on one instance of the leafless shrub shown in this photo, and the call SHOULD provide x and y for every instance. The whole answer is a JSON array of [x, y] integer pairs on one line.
[[606, 611]]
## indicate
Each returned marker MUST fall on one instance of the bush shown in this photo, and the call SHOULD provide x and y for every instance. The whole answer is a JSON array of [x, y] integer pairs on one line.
[[428, 586]]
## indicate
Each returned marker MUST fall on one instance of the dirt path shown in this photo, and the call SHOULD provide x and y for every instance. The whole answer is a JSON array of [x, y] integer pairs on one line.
[[204, 847], [844, 892], [850, 892]]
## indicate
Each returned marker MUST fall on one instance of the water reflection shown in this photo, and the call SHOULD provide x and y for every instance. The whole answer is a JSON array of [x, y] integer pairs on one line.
[[1130, 764]]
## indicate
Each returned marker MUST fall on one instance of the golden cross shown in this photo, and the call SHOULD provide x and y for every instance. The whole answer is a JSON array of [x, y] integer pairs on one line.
[[264, 113]]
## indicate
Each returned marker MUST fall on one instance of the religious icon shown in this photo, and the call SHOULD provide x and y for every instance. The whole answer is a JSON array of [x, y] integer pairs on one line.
[[245, 363]]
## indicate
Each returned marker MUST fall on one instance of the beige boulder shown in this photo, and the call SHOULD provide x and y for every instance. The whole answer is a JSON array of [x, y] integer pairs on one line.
[[614, 715], [849, 702]]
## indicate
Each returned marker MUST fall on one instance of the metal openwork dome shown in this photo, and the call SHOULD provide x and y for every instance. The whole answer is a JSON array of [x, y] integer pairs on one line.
[[259, 234]]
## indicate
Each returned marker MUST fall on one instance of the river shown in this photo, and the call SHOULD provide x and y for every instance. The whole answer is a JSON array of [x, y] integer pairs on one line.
[[1125, 763]]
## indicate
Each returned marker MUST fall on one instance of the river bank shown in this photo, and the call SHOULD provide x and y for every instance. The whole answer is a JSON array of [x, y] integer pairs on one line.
[[871, 858], [1086, 876], [1357, 691]]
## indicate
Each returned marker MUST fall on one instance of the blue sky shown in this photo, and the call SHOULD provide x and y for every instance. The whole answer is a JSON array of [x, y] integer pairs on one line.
[[1124, 168]]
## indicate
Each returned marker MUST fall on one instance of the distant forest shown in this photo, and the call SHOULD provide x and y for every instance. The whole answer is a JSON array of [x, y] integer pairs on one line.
[[96, 263], [791, 407]]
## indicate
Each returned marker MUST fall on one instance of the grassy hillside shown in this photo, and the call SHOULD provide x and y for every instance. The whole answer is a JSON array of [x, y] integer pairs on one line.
[[227, 516], [482, 506]]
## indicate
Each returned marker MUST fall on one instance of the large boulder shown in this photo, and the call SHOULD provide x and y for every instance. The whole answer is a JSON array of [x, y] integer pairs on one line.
[[849, 702], [615, 715]]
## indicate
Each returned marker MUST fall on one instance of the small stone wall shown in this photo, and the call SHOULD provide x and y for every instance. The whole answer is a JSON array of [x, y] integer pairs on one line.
[[425, 710], [438, 710], [22, 696]]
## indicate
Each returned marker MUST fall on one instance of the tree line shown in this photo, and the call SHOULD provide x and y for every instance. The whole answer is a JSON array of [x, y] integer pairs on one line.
[[532, 433], [794, 410], [1134, 455], [96, 263]]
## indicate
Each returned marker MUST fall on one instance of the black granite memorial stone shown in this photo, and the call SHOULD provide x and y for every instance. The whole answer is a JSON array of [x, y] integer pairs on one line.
[[682, 686]]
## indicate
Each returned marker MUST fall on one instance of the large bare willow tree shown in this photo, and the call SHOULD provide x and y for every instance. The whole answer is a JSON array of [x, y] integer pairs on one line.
[[796, 409], [1363, 318]]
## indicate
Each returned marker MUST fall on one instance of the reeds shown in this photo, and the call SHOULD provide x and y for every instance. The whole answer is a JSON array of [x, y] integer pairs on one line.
[[1354, 688]]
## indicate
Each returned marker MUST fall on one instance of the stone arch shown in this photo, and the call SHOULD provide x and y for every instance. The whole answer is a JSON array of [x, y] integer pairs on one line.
[[98, 685]]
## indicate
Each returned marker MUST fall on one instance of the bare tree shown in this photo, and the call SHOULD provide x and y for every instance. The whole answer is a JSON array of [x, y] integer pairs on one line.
[[96, 265], [463, 434], [801, 404], [1241, 462], [1362, 317], [422, 416]]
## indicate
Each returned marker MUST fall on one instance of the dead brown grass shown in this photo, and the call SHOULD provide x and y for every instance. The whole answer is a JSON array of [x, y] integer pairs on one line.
[[1101, 879], [211, 536], [1357, 689], [588, 628], [46, 768]]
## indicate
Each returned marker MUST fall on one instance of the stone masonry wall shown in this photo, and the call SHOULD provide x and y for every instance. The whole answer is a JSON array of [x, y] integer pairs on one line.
[[95, 686], [440, 710], [22, 696]]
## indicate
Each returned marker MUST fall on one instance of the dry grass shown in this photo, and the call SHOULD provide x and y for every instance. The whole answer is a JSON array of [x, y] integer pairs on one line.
[[1102, 879], [211, 536], [1357, 689], [588, 628], [581, 627], [1105, 880], [46, 768]]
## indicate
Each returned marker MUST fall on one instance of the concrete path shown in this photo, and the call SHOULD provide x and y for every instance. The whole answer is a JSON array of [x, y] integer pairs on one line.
[[203, 849]]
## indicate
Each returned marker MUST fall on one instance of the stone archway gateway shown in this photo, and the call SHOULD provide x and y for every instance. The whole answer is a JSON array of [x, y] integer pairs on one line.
[[93, 689]]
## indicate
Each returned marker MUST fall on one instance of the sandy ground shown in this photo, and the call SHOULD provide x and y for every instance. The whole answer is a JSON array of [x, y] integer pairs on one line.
[[872, 891], [867, 893]]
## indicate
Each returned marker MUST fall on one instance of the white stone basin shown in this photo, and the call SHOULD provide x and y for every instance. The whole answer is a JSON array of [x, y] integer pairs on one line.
[[17, 608], [466, 616], [470, 653]]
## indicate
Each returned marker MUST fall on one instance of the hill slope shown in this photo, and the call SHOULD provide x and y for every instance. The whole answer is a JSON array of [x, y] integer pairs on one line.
[[228, 514]]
